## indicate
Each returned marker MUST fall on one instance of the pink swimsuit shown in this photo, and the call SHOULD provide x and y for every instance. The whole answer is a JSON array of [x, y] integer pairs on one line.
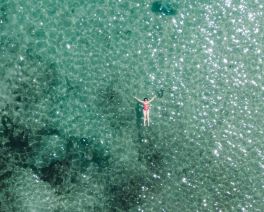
[[146, 106]]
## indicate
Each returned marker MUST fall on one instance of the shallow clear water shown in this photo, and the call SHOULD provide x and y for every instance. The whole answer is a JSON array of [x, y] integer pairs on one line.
[[71, 134]]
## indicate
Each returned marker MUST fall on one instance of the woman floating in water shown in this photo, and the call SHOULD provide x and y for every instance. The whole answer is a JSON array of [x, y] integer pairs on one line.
[[146, 108]]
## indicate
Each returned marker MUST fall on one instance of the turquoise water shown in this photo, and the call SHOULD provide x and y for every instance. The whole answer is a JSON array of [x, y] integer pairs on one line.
[[72, 136]]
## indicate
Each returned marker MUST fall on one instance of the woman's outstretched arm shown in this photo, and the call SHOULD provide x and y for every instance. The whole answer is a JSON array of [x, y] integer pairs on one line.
[[138, 99], [152, 99]]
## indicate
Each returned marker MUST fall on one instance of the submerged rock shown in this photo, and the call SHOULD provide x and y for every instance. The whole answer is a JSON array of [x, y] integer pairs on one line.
[[160, 93], [128, 193], [27, 192], [17, 137], [163, 8], [56, 173], [3, 14], [84, 151], [49, 149]]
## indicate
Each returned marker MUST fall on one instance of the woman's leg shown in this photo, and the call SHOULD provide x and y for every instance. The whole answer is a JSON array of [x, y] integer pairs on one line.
[[145, 117]]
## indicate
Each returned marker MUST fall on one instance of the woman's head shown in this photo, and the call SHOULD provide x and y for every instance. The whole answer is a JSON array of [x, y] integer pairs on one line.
[[145, 99]]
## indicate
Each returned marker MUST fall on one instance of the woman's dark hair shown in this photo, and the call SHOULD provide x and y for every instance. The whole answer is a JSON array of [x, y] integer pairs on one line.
[[145, 99]]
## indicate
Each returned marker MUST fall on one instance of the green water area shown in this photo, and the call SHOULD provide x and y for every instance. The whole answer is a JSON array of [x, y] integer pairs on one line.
[[72, 137]]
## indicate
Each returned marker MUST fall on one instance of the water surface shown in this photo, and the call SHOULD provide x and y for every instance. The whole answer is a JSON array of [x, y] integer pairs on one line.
[[71, 133]]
